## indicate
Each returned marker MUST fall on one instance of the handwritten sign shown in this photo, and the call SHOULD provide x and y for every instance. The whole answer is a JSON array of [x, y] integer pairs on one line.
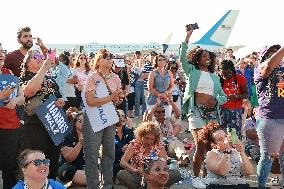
[[54, 120], [7, 80], [103, 116]]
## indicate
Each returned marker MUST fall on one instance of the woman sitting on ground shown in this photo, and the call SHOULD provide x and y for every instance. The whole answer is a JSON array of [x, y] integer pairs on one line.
[[34, 169], [124, 134], [226, 163], [72, 155], [146, 143], [156, 173]]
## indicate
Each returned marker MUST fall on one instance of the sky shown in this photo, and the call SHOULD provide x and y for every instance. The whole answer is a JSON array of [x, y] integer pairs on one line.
[[131, 21]]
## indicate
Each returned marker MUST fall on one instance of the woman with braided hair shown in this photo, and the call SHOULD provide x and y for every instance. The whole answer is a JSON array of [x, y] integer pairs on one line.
[[235, 87]]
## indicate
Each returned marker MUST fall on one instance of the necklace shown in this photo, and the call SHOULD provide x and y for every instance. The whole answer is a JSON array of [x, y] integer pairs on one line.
[[107, 77]]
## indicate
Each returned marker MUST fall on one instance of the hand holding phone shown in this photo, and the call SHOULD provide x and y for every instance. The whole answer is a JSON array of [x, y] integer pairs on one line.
[[233, 135]]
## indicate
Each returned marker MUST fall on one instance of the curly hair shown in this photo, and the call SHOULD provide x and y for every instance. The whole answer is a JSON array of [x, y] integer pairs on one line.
[[206, 134], [148, 127], [228, 65], [21, 30], [197, 56], [22, 161]]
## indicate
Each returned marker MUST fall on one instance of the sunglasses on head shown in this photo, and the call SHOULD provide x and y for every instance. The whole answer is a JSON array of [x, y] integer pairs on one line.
[[38, 56], [39, 162], [108, 56]]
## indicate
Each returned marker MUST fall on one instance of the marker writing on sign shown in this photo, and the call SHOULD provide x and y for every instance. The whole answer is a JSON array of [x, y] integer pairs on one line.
[[102, 114]]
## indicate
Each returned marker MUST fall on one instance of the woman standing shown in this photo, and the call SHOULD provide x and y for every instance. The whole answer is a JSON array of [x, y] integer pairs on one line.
[[39, 83], [81, 71], [9, 127], [160, 83], [93, 140], [269, 77], [202, 97]]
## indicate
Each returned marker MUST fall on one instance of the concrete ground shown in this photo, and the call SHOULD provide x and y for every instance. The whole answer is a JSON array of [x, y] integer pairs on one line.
[[251, 180]]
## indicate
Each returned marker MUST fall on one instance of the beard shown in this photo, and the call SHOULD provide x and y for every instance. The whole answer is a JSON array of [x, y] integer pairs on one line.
[[27, 45]]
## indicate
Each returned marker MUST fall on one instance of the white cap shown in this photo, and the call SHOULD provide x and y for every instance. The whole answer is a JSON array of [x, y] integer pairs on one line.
[[119, 62]]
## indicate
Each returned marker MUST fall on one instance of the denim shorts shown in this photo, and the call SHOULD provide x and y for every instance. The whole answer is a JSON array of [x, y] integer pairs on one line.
[[271, 134], [196, 121]]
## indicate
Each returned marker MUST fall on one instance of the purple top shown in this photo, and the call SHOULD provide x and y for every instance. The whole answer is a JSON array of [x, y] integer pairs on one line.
[[270, 93]]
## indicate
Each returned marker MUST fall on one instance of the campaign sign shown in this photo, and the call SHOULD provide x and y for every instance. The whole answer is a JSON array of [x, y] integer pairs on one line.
[[12, 81], [103, 116], [54, 120]]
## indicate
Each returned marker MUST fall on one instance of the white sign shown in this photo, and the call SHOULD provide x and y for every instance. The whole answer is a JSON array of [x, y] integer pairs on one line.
[[101, 117]]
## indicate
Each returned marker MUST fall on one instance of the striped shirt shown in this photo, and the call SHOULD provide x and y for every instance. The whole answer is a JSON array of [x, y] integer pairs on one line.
[[147, 68]]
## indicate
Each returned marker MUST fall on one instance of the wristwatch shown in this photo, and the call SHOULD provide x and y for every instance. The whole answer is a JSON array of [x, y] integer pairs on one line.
[[227, 152]]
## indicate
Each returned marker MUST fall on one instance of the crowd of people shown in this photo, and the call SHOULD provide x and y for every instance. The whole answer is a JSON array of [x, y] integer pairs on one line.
[[233, 110]]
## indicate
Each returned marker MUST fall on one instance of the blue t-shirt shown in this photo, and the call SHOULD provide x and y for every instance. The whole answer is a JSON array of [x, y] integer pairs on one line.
[[270, 93], [249, 77], [52, 185]]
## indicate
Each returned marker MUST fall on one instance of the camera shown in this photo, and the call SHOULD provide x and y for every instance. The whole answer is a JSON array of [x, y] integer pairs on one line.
[[192, 26]]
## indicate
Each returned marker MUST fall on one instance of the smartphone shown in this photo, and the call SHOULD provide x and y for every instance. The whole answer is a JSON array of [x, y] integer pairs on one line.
[[234, 136]]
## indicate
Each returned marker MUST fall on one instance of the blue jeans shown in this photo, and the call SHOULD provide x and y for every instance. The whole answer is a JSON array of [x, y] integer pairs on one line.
[[270, 134], [139, 95]]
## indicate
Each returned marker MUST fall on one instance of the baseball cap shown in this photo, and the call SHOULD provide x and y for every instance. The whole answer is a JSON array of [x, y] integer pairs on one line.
[[119, 62], [153, 53]]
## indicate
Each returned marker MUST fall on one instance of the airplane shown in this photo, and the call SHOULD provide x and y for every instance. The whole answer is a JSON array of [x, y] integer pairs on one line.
[[215, 39]]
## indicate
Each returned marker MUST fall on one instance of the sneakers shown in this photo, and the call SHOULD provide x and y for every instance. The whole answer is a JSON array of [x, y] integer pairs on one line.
[[274, 181]]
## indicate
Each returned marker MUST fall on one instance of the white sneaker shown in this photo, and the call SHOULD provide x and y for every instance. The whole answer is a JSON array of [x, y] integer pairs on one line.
[[274, 181]]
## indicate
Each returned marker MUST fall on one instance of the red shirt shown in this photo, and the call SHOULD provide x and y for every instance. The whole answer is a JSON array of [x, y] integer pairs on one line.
[[13, 61], [232, 86], [9, 118]]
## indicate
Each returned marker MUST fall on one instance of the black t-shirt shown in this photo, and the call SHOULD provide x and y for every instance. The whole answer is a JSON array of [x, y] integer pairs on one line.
[[127, 136], [123, 76], [48, 87], [71, 141]]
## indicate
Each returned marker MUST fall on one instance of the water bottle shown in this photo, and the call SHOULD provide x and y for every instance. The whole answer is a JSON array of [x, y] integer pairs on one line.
[[173, 164]]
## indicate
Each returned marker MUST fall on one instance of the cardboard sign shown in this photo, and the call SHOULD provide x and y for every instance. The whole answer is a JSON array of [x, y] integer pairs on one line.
[[101, 117], [7, 80], [54, 120]]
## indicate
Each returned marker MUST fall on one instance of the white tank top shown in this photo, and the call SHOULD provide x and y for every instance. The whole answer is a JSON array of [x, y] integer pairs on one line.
[[205, 84]]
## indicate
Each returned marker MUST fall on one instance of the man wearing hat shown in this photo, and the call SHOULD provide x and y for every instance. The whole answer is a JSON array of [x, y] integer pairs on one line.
[[119, 69]]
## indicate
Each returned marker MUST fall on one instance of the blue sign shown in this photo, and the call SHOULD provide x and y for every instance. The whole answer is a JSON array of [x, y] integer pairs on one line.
[[7, 80], [54, 120]]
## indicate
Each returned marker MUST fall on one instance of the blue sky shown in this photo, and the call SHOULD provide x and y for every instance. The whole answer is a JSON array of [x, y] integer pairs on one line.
[[132, 21]]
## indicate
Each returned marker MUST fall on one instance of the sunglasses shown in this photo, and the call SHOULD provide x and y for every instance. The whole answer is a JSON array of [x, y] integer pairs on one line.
[[38, 57], [81, 58], [162, 59], [173, 68], [80, 120], [39, 162], [108, 56]]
